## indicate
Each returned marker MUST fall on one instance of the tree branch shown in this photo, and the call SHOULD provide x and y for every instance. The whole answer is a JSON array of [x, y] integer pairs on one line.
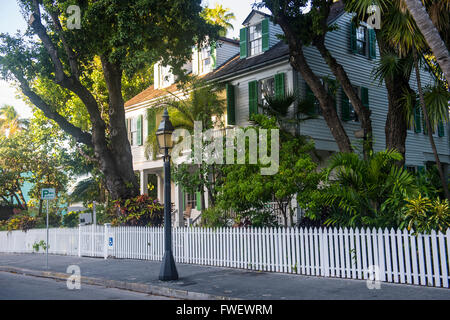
[[79, 135]]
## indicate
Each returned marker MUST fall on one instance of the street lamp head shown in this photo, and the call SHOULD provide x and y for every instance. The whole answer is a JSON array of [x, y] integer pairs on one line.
[[164, 133]]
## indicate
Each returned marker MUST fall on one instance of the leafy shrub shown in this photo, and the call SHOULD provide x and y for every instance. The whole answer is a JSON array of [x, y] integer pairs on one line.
[[424, 215], [40, 244], [71, 219], [19, 222], [138, 211], [214, 218]]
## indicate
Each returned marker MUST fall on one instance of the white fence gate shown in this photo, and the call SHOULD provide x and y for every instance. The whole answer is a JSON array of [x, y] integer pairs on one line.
[[389, 255]]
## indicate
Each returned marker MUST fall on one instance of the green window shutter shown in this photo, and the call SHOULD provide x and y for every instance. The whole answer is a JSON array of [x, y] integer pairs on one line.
[[265, 34], [365, 97], [352, 38], [198, 197], [279, 85], [441, 128], [345, 106], [417, 121], [213, 54], [372, 44], [243, 43], [231, 106], [139, 130], [252, 98]]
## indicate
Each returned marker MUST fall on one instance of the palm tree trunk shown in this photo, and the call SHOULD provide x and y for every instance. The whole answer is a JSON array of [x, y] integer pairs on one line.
[[428, 124], [431, 35]]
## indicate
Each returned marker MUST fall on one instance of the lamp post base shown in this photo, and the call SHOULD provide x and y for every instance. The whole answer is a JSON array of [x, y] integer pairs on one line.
[[168, 269]]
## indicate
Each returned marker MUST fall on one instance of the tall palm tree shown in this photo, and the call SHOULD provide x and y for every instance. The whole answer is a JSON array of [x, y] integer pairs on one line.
[[219, 16], [430, 32], [9, 120]]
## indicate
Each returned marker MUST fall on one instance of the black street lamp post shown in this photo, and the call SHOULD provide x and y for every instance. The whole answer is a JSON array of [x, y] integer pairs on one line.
[[164, 137]]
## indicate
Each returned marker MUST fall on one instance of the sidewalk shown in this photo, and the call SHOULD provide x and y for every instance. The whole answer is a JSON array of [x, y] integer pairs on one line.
[[202, 282]]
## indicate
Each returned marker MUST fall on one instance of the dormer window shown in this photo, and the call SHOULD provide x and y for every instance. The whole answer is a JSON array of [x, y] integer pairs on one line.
[[206, 58], [163, 76], [255, 39]]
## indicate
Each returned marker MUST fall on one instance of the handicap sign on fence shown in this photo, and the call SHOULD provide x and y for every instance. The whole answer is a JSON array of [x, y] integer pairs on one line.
[[110, 242]]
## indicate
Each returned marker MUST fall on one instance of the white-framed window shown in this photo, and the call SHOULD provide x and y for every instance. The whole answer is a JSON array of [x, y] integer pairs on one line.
[[361, 40], [206, 58], [266, 88], [255, 33], [164, 76], [191, 200], [132, 127]]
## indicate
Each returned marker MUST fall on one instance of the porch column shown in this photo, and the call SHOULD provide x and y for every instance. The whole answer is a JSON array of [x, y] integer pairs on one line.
[[143, 181], [160, 187]]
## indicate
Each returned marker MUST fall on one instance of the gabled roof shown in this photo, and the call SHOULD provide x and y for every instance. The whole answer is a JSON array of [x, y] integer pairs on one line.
[[278, 52], [233, 41], [149, 94], [253, 13]]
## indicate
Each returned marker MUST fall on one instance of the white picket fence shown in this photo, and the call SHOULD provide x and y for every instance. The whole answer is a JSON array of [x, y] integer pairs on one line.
[[388, 255]]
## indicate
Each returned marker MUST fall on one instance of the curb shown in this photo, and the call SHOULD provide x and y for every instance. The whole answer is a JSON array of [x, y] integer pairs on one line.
[[131, 286]]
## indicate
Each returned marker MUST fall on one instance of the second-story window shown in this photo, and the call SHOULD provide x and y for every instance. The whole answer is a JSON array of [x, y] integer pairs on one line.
[[255, 39], [206, 58], [361, 40]]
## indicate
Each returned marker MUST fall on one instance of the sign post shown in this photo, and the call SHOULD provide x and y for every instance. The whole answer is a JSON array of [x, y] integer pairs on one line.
[[47, 194]]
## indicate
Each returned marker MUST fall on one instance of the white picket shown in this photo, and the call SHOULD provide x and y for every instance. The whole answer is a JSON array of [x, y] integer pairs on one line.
[[400, 254], [421, 260], [437, 276], [394, 256], [428, 260], [407, 256], [347, 254], [443, 260]]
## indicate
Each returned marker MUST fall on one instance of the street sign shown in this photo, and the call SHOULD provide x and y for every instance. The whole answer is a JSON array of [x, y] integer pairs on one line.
[[111, 241], [48, 194]]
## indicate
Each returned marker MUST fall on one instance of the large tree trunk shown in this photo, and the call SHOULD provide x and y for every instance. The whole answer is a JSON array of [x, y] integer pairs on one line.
[[428, 124], [299, 63], [340, 74], [114, 152], [431, 35], [396, 121]]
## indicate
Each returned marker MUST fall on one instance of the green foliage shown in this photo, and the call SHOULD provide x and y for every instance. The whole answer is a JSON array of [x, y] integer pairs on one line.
[[214, 217], [40, 244], [138, 211], [246, 191], [19, 222], [424, 215], [363, 193], [71, 219], [219, 16]]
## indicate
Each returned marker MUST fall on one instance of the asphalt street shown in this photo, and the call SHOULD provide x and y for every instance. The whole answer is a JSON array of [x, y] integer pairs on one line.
[[20, 287]]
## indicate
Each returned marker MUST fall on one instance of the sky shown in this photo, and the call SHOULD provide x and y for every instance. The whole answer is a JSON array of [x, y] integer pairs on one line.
[[11, 20]]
